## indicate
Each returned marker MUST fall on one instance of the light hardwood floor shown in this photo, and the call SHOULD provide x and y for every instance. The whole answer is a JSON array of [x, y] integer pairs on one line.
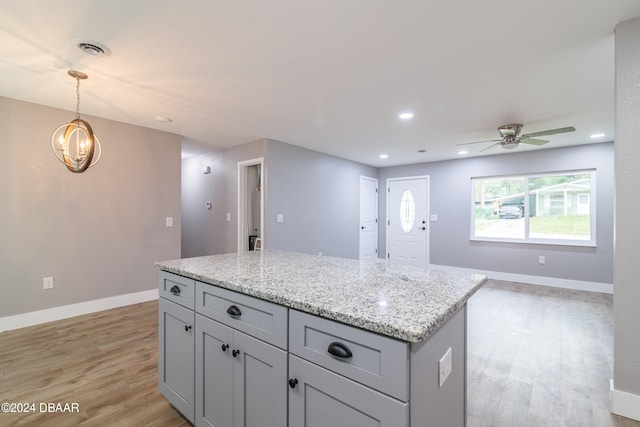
[[105, 362], [537, 357]]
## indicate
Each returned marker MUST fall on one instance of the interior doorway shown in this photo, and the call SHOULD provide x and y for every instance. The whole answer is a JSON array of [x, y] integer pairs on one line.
[[251, 204], [368, 218]]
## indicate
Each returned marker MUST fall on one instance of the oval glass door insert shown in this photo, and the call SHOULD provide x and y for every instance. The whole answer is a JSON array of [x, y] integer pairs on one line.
[[407, 211]]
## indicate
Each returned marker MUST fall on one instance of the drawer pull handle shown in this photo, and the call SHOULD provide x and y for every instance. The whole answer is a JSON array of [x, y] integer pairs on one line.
[[175, 290], [225, 347], [235, 352], [187, 328], [339, 350], [293, 382], [233, 310]]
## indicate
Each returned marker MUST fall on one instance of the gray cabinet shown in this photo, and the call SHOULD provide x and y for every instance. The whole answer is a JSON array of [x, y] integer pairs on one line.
[[231, 360], [321, 398], [343, 375], [176, 356], [240, 381]]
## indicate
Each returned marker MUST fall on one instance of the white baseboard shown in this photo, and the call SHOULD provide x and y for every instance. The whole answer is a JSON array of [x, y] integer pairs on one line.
[[623, 403], [18, 321], [605, 288]]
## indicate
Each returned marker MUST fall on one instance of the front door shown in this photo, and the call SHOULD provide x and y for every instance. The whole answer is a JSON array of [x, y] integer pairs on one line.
[[407, 231]]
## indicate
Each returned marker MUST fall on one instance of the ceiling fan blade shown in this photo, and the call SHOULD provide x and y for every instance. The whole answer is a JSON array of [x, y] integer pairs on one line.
[[479, 142], [533, 141], [549, 132], [491, 146]]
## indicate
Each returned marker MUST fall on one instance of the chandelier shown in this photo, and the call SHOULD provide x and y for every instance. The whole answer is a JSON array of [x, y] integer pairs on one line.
[[74, 143]]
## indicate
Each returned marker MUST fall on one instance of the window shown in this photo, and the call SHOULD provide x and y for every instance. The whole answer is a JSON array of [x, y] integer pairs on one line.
[[407, 211], [552, 208]]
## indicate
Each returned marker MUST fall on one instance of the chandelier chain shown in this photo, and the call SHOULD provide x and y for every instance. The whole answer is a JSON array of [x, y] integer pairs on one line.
[[77, 98]]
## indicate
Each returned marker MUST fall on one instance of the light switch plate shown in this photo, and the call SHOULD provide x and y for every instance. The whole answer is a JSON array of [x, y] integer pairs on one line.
[[280, 218], [168, 221]]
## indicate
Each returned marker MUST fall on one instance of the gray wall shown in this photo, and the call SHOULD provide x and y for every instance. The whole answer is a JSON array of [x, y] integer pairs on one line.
[[626, 371], [207, 232], [319, 196], [450, 196], [97, 233]]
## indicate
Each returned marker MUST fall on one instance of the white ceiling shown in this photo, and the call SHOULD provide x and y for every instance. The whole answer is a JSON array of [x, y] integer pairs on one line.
[[328, 75]]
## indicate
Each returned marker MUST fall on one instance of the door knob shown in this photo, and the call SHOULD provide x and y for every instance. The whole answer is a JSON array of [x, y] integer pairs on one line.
[[363, 227], [423, 228], [235, 353], [293, 382], [225, 347]]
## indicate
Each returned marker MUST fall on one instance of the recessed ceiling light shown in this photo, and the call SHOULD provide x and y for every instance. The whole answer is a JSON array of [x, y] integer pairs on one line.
[[422, 151], [463, 152], [405, 116], [163, 119], [597, 135], [384, 156], [92, 48]]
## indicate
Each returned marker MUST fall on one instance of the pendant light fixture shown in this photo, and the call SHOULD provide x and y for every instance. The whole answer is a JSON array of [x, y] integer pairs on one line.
[[74, 143]]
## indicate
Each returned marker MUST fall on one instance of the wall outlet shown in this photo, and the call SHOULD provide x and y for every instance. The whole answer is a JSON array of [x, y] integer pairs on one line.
[[168, 221], [228, 216], [542, 259], [47, 282], [444, 367]]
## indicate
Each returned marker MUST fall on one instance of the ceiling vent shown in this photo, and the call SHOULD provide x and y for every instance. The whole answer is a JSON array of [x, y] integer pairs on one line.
[[92, 48]]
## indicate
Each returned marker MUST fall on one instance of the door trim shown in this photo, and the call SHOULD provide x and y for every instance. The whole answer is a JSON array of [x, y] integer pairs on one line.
[[428, 213]]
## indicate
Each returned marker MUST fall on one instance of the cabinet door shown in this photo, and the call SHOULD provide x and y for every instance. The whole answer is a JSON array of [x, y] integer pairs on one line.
[[323, 398], [260, 383], [214, 373], [175, 356]]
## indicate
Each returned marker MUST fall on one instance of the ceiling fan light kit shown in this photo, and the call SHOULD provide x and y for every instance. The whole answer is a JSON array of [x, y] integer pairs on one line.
[[510, 137]]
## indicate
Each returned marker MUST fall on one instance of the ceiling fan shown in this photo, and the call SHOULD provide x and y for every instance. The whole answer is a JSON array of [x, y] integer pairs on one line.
[[511, 138]]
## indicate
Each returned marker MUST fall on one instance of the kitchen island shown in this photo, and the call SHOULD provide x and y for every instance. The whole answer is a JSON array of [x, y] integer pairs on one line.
[[279, 338]]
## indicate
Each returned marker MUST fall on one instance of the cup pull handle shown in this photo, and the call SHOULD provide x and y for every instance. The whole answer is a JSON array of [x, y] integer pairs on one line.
[[233, 311], [339, 350]]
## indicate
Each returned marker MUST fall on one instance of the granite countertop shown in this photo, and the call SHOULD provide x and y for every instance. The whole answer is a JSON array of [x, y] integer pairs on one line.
[[401, 302]]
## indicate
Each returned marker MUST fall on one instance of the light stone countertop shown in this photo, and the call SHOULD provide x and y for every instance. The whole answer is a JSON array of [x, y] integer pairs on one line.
[[406, 303]]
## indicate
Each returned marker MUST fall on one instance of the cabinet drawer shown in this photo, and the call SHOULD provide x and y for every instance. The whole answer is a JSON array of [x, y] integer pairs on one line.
[[261, 319], [178, 289], [322, 398], [377, 361]]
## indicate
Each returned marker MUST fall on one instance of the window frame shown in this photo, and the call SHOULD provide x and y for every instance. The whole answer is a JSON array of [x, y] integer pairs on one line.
[[527, 239]]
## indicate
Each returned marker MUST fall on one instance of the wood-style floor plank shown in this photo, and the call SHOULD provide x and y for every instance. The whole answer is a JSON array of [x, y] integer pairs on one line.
[[105, 362], [540, 356], [537, 356]]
